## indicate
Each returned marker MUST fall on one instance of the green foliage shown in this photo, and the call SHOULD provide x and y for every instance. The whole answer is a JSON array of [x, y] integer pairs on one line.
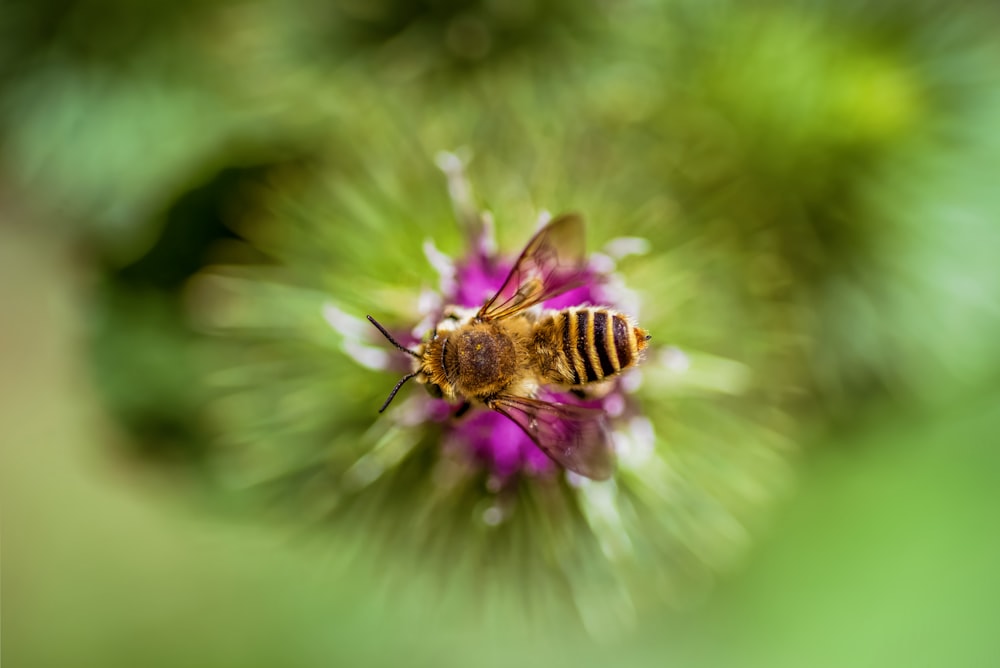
[[813, 183]]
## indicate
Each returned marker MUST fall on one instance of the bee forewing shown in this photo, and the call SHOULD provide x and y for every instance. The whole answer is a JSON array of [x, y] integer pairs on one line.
[[549, 265], [576, 437]]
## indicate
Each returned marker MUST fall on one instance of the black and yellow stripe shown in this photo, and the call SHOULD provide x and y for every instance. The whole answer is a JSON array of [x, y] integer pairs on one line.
[[596, 343], [568, 324]]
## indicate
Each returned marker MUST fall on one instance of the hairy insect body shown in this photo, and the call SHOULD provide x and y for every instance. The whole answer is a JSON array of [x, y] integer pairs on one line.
[[477, 360], [586, 345], [573, 347]]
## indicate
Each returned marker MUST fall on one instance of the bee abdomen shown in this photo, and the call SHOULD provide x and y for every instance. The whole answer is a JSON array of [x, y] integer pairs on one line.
[[597, 343]]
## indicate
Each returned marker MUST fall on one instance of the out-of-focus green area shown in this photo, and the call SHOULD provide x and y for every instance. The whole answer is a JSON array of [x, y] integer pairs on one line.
[[885, 554], [816, 184]]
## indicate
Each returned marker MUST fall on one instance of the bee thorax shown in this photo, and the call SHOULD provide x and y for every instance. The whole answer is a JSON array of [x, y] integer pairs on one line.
[[481, 360]]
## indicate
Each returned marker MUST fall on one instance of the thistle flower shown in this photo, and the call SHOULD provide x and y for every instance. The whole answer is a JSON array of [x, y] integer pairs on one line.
[[298, 418], [490, 438]]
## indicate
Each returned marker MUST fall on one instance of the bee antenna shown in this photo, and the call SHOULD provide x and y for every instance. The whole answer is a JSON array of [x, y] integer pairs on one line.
[[392, 395], [393, 342]]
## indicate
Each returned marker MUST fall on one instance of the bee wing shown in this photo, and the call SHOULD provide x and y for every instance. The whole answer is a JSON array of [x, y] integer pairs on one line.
[[549, 265], [576, 437]]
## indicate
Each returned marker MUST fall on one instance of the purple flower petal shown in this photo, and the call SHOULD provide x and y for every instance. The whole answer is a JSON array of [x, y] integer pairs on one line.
[[497, 443], [478, 280]]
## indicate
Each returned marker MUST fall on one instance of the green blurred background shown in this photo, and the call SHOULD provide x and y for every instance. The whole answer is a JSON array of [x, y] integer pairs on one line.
[[817, 184]]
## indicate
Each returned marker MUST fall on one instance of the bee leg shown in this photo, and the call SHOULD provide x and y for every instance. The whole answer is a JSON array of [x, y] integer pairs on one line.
[[462, 410], [578, 393]]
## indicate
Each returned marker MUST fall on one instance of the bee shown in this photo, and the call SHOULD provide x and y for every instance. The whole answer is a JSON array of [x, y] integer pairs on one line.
[[500, 355]]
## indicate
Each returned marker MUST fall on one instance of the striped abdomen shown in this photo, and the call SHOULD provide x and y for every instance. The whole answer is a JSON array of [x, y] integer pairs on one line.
[[590, 344]]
